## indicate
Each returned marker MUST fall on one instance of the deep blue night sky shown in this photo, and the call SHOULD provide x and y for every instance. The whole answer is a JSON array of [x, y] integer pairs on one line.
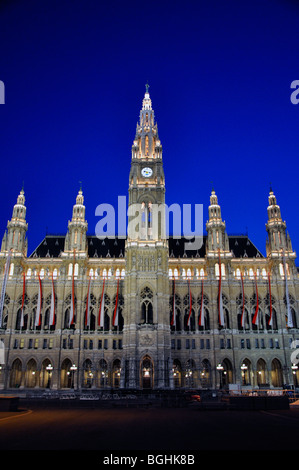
[[219, 75]]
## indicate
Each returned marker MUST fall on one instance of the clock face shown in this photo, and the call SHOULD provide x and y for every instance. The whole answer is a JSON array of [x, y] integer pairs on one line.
[[146, 172]]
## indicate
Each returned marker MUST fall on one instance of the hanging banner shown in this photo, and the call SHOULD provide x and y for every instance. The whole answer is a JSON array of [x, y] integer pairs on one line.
[[173, 319], [6, 271], [243, 302]]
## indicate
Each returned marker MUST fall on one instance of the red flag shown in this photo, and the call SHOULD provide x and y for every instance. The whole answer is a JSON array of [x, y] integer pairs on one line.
[[190, 305], [23, 299], [255, 317], [52, 310], [39, 304], [270, 300], [243, 299], [201, 321], [220, 304], [173, 319], [72, 310], [115, 315], [101, 309], [87, 317]]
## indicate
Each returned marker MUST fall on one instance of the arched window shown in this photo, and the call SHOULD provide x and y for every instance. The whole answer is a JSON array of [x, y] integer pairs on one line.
[[177, 326], [48, 313], [70, 270], [146, 297], [206, 325], [76, 271], [67, 312]]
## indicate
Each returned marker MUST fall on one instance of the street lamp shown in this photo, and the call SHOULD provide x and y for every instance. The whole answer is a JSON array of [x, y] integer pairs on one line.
[[73, 369], [220, 370]]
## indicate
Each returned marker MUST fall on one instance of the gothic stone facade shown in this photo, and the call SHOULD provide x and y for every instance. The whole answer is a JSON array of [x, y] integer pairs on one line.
[[156, 343]]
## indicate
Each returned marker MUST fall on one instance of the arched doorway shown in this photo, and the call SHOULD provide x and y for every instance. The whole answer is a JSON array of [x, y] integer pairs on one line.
[[246, 372], [31, 375], [276, 373], [177, 373], [66, 378], [146, 373], [205, 374], [261, 373], [190, 374], [87, 374], [46, 374], [227, 373], [15, 379], [116, 369]]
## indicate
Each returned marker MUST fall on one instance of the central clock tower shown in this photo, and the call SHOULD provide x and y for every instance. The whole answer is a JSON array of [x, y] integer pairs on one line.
[[146, 336]]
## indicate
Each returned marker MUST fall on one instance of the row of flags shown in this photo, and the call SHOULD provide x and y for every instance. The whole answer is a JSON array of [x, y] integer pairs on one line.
[[255, 319], [71, 320], [37, 320], [101, 308]]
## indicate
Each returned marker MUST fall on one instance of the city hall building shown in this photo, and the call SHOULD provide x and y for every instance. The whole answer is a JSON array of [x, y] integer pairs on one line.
[[144, 311]]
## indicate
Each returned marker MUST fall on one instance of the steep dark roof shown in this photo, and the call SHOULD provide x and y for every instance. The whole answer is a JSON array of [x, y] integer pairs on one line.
[[240, 245], [53, 245]]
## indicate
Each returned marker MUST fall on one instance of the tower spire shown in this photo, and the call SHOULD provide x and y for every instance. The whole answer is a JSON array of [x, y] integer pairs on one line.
[[15, 235], [147, 144], [77, 228], [278, 239], [216, 229]]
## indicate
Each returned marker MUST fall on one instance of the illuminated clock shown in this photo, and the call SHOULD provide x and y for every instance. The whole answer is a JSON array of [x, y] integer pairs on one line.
[[146, 172]]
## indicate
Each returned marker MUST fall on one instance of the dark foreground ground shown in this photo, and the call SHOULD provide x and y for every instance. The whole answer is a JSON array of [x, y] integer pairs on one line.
[[40, 427]]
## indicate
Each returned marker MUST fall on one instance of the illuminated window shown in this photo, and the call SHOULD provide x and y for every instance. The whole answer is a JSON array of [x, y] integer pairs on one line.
[[11, 270], [264, 273], [70, 271], [76, 271]]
